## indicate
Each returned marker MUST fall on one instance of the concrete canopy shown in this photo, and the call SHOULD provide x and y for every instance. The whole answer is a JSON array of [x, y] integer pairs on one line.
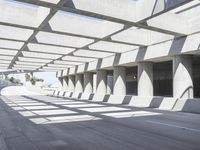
[[55, 35]]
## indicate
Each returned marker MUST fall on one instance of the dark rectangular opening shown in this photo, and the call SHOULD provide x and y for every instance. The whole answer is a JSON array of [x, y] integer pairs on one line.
[[162, 79], [131, 81], [196, 75]]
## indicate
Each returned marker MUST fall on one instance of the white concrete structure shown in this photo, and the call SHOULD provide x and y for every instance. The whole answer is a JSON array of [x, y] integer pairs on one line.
[[109, 86], [94, 83], [119, 81], [110, 57], [101, 82], [145, 79], [65, 84], [88, 82], [182, 80], [71, 83], [60, 86], [79, 83]]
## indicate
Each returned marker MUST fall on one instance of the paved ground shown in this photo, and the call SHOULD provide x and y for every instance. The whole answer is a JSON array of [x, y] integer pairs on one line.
[[48, 123]]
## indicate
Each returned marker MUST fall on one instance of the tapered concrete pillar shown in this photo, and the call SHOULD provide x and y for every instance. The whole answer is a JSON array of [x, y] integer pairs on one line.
[[119, 86], [88, 82], [71, 83], [182, 77], [79, 83], [109, 87], [60, 86], [101, 81], [94, 83], [145, 79], [65, 84]]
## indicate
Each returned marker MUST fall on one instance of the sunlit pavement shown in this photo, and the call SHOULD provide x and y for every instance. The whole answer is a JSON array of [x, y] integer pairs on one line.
[[48, 123]]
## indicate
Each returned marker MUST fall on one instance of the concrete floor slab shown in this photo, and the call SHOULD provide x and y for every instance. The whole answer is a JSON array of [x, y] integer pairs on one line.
[[90, 127]]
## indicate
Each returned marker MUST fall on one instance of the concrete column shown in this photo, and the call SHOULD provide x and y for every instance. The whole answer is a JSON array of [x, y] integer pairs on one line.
[[109, 84], [101, 81], [145, 79], [65, 84], [182, 77], [79, 83], [94, 83], [60, 86], [119, 75], [88, 82], [71, 83]]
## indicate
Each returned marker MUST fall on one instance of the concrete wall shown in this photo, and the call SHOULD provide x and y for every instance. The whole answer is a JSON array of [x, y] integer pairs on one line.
[[163, 103], [161, 51], [188, 105]]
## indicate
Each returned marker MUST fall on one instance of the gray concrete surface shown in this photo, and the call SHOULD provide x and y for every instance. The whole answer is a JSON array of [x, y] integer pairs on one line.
[[182, 77], [49, 123]]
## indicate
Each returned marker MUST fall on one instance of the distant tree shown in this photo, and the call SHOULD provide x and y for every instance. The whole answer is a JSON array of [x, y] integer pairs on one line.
[[27, 77], [39, 79], [11, 79], [15, 81], [33, 81]]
